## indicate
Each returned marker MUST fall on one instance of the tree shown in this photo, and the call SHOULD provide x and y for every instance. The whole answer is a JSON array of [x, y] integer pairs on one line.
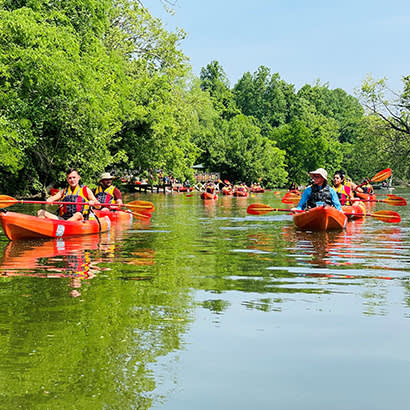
[[215, 82], [265, 97]]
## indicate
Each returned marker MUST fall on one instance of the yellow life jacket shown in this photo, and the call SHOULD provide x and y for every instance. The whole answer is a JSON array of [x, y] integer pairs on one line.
[[105, 196], [80, 196], [343, 192]]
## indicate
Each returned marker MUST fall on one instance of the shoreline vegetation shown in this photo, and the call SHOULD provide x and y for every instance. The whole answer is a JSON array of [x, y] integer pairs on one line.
[[102, 86]]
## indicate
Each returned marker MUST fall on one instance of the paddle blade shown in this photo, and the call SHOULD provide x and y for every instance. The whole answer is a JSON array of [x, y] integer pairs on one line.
[[382, 175], [6, 201], [395, 201], [143, 215], [291, 198], [259, 209], [141, 205], [386, 216]]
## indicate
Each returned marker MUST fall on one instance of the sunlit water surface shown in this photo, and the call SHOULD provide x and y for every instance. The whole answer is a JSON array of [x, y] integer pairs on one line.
[[207, 307]]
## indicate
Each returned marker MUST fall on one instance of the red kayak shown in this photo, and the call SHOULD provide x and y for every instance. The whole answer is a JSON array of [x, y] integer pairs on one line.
[[321, 218], [242, 194], [115, 216], [208, 195], [21, 226], [355, 211], [364, 196]]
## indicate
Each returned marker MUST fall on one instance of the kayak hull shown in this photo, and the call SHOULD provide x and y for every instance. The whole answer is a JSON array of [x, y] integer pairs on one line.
[[366, 197], [115, 216], [241, 194], [18, 226], [208, 195], [322, 218], [356, 211]]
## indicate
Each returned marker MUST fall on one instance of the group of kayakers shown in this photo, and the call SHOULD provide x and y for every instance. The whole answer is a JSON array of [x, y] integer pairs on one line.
[[321, 193], [80, 198]]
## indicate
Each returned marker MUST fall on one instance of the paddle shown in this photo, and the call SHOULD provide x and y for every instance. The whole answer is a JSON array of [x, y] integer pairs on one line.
[[384, 216], [6, 201], [391, 200], [379, 177], [260, 209], [291, 198]]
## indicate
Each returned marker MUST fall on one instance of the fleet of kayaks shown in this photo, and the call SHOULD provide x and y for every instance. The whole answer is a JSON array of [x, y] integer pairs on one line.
[[321, 218]]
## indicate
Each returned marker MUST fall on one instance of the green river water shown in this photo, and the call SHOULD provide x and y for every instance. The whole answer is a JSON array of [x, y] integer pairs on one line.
[[206, 307]]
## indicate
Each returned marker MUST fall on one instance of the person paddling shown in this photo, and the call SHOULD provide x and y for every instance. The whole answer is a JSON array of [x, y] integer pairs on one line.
[[106, 192], [344, 191], [73, 193], [319, 193]]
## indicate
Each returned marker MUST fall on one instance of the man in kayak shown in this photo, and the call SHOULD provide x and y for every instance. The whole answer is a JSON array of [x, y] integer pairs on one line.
[[73, 193], [106, 192], [319, 193]]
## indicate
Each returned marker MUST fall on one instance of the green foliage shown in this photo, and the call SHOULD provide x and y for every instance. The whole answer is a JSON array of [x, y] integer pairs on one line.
[[265, 97], [214, 81], [100, 84], [240, 152], [393, 131], [336, 104]]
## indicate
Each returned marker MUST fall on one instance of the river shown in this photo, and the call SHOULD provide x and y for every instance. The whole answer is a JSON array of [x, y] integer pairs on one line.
[[207, 307]]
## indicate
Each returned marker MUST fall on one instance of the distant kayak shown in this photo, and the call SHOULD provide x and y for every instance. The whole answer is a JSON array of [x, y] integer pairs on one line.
[[208, 196], [321, 218], [21, 226], [243, 194]]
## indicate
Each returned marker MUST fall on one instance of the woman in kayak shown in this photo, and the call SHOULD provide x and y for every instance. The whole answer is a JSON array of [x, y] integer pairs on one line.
[[319, 193], [343, 190], [74, 193]]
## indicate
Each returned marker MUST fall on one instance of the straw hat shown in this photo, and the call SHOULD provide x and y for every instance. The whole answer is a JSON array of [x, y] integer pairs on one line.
[[106, 175], [320, 171]]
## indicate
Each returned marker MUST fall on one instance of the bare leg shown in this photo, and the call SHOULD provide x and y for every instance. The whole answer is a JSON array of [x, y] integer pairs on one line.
[[42, 213], [78, 216]]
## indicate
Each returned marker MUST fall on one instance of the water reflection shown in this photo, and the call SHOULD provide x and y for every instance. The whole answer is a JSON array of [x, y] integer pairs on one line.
[[78, 258]]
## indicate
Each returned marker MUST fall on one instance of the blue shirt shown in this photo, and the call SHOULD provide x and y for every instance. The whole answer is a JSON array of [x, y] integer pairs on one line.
[[308, 191]]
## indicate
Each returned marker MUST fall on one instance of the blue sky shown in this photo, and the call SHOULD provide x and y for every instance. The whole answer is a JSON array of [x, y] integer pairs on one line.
[[339, 43]]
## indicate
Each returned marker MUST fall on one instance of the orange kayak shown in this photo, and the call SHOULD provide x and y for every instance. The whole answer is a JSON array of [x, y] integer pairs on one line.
[[208, 195], [321, 218], [115, 216], [355, 211], [364, 196], [242, 194], [21, 226]]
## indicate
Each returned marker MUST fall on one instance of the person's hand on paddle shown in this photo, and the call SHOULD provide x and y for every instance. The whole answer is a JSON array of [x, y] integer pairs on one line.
[[95, 204], [294, 209]]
